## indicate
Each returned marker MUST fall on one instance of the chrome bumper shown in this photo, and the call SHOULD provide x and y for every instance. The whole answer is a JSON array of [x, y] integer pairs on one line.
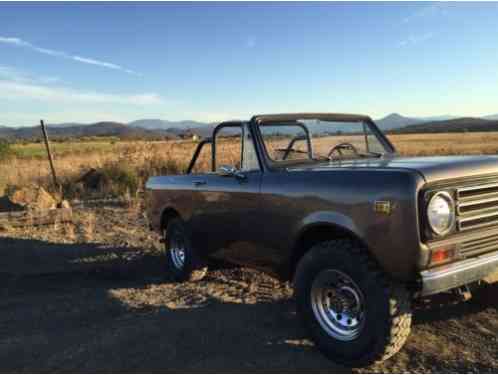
[[453, 275]]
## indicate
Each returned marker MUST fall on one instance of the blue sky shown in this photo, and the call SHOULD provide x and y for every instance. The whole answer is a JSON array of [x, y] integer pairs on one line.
[[215, 61]]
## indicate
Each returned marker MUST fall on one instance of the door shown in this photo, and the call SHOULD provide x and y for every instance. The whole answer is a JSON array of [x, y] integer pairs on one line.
[[229, 198]]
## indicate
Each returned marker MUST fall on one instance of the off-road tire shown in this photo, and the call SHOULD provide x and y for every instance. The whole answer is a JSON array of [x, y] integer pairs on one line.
[[387, 319], [194, 267]]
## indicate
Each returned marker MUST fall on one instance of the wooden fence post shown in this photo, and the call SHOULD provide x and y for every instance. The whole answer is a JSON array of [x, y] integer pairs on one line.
[[50, 160]]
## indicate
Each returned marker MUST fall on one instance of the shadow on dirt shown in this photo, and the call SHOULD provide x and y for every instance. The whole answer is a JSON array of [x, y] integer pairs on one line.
[[119, 315], [79, 315], [24, 257], [447, 306]]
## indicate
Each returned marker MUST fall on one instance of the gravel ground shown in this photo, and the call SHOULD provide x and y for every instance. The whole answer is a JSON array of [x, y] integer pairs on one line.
[[92, 298]]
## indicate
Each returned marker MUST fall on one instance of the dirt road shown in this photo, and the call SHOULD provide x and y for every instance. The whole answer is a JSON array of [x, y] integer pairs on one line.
[[93, 299]]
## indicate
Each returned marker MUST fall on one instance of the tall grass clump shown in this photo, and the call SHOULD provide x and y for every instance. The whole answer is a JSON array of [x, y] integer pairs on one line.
[[6, 151], [120, 179]]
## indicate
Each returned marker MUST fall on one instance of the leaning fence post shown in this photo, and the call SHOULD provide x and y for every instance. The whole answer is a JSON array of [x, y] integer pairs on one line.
[[47, 145]]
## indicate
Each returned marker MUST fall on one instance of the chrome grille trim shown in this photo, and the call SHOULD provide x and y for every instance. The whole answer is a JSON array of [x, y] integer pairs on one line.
[[479, 245], [485, 197], [477, 206], [477, 187], [466, 203]]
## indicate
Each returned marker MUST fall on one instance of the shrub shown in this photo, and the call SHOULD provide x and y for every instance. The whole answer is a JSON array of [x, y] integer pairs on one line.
[[121, 179], [5, 150]]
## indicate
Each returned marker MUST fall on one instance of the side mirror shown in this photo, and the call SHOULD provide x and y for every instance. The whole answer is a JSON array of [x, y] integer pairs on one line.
[[227, 170], [230, 171]]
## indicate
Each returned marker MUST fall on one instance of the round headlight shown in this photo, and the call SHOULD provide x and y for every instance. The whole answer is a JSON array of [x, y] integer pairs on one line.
[[441, 213]]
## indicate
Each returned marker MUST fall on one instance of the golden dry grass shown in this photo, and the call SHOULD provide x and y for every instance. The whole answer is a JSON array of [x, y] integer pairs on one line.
[[171, 157]]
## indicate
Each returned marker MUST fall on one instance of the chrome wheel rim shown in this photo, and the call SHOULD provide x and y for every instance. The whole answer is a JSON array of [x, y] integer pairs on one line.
[[177, 253], [338, 304]]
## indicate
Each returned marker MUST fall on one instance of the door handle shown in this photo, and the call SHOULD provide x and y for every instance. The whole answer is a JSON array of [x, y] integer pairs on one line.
[[199, 183]]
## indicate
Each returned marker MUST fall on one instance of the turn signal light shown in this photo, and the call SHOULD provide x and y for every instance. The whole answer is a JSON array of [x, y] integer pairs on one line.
[[443, 255]]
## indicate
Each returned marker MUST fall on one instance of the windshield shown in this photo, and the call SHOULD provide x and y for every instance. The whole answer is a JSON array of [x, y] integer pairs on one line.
[[320, 140]]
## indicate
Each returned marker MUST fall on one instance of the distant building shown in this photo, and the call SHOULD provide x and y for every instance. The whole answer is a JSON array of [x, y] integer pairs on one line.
[[190, 135]]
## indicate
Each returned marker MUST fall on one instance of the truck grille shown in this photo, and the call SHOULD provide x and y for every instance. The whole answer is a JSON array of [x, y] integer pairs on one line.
[[477, 206], [479, 246]]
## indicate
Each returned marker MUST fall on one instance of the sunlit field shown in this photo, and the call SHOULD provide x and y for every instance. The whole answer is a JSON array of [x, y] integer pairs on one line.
[[141, 159]]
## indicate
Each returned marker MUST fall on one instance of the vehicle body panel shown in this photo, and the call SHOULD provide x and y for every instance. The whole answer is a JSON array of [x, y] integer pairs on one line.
[[257, 220]]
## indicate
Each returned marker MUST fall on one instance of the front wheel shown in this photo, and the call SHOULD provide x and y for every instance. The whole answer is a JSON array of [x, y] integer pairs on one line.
[[182, 261], [355, 315]]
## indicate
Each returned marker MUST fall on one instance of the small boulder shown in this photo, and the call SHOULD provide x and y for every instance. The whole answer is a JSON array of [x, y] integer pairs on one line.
[[32, 198]]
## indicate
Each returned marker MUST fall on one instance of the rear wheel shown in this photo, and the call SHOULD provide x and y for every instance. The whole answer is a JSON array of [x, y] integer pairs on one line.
[[182, 261], [354, 313]]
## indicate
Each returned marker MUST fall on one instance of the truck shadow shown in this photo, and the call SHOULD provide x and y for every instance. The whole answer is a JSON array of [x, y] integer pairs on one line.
[[447, 306], [25, 257], [88, 308], [123, 316]]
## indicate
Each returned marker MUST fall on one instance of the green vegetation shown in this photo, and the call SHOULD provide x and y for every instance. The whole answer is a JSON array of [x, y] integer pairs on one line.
[[120, 179], [5, 150], [37, 150]]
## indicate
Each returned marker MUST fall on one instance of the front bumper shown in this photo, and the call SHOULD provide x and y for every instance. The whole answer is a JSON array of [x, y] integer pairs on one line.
[[453, 275]]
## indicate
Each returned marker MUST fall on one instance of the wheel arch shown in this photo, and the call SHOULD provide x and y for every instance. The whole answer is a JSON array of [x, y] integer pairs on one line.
[[167, 215], [314, 233]]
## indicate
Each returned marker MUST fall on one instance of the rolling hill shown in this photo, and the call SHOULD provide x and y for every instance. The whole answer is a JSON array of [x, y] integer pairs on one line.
[[395, 121], [157, 128], [98, 129], [463, 124], [157, 124]]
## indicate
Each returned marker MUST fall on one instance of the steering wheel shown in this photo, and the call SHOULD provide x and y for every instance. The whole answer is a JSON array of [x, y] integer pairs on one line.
[[342, 146]]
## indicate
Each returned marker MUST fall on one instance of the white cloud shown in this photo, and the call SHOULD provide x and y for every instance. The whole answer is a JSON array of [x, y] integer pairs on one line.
[[415, 39], [14, 41], [85, 60], [24, 90], [13, 74]]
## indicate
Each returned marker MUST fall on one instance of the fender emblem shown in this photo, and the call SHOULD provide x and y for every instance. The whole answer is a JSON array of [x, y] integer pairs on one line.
[[383, 207]]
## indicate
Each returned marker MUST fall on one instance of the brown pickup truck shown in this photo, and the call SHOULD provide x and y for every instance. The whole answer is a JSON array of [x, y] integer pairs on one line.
[[324, 200]]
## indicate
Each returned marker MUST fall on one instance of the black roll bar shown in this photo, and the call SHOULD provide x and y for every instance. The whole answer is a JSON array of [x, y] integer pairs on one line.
[[196, 154]]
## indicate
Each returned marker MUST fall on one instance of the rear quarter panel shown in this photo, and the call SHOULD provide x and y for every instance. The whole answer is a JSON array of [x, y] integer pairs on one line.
[[166, 192]]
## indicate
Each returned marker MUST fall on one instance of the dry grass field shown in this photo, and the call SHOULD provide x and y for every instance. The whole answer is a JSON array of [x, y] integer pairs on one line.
[[138, 160], [92, 296]]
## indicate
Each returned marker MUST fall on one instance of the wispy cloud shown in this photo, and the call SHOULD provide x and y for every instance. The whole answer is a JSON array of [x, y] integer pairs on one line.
[[13, 74], [85, 60], [24, 90], [431, 10], [415, 39]]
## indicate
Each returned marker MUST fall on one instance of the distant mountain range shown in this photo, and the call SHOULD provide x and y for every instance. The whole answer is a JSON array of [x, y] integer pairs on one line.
[[156, 128], [395, 120], [462, 124], [491, 117], [155, 124], [99, 129]]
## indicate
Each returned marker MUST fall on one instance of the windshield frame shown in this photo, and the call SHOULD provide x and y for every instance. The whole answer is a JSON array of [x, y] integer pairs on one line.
[[285, 119]]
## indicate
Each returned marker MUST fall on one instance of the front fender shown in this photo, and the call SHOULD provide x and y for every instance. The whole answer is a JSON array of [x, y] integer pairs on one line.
[[330, 218]]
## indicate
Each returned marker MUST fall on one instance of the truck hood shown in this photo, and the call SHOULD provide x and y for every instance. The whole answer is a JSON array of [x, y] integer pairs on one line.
[[432, 168]]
